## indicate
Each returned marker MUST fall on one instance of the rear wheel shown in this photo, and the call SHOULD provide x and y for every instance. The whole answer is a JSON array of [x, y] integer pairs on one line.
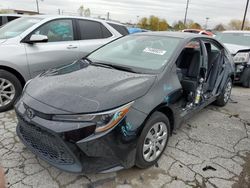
[[153, 140], [224, 97], [10, 90]]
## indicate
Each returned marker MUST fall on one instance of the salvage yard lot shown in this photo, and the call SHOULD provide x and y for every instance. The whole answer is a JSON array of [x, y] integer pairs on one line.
[[210, 150]]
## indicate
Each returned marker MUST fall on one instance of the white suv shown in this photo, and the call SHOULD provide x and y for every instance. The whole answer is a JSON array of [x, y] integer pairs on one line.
[[33, 44]]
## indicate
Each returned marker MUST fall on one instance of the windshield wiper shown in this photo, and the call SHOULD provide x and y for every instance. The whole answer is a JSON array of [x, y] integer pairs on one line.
[[111, 66], [99, 64], [102, 65], [118, 67]]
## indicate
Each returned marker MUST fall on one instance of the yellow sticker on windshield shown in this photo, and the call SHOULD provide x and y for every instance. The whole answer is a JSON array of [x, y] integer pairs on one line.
[[154, 51]]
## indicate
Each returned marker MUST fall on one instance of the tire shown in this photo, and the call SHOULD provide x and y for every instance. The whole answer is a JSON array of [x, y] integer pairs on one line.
[[224, 97], [12, 92], [246, 78], [146, 159]]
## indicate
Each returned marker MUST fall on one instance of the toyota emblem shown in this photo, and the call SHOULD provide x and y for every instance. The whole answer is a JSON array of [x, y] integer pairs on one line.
[[30, 113]]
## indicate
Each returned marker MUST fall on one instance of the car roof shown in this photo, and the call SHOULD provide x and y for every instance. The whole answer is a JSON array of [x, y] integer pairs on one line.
[[236, 31], [183, 35], [43, 16]]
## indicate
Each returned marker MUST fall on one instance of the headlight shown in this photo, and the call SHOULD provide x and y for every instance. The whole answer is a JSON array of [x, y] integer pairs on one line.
[[104, 120], [241, 57], [25, 86]]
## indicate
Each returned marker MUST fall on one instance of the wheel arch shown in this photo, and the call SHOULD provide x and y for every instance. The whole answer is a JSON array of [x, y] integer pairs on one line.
[[167, 111], [15, 73]]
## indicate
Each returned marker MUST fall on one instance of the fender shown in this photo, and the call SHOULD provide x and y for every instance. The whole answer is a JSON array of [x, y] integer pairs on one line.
[[23, 71]]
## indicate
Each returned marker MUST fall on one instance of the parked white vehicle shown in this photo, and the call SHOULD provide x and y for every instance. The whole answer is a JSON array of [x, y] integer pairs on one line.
[[31, 45], [238, 43]]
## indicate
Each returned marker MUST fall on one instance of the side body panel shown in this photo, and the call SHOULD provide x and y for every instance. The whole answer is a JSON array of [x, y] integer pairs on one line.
[[13, 55], [43, 56]]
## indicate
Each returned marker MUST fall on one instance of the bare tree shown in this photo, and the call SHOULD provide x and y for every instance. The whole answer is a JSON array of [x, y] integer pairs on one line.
[[236, 24], [81, 10], [87, 12], [219, 27]]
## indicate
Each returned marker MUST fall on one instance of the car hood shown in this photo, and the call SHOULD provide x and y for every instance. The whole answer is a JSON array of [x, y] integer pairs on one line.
[[234, 49], [91, 89]]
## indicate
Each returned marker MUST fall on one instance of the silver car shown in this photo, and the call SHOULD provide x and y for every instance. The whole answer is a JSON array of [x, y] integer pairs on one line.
[[31, 45]]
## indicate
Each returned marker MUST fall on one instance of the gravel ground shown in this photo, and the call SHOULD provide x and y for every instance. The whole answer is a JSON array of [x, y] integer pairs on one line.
[[210, 150]]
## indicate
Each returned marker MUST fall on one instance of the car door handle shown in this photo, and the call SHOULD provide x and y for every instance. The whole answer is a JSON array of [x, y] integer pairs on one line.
[[71, 47]]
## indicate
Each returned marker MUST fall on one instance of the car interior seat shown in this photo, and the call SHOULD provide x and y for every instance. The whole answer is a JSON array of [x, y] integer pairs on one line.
[[188, 69]]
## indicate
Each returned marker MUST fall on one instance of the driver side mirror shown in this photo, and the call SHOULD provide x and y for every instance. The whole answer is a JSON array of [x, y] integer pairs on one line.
[[37, 39]]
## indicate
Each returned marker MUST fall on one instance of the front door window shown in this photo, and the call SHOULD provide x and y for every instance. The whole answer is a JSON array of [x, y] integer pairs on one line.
[[57, 31]]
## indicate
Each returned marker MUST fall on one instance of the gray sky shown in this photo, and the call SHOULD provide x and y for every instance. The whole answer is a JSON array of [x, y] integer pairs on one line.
[[128, 10]]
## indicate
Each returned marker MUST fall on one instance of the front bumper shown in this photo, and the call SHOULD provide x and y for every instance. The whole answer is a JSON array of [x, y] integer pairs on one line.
[[58, 144]]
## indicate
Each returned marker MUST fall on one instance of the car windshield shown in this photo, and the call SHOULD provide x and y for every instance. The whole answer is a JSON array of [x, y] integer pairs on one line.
[[16, 27], [242, 39], [138, 52]]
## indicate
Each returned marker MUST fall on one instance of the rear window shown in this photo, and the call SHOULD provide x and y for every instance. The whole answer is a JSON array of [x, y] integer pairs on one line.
[[92, 30], [10, 18], [121, 29]]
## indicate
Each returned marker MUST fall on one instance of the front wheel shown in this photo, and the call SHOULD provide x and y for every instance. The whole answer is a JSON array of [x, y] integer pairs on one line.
[[153, 140], [224, 97], [10, 90]]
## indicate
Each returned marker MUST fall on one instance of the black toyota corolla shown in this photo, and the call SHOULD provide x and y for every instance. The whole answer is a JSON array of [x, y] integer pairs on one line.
[[117, 107]]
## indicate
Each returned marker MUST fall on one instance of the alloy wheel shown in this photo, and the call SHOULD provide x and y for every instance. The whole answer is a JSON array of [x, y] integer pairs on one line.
[[7, 92], [155, 141]]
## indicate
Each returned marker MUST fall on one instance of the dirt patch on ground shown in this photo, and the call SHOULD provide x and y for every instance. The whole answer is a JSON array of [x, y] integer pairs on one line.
[[244, 178]]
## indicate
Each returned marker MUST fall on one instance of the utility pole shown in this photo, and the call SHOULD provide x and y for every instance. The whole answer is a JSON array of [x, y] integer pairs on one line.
[[207, 18], [37, 7], [244, 19], [185, 18], [108, 16]]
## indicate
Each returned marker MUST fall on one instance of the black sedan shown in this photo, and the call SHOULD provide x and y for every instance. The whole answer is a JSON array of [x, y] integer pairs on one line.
[[118, 106]]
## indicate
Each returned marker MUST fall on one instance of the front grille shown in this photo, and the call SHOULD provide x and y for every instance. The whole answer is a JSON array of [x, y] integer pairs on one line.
[[45, 144]]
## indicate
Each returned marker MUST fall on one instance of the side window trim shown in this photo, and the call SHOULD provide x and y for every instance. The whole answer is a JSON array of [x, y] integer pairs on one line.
[[76, 29], [29, 35]]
